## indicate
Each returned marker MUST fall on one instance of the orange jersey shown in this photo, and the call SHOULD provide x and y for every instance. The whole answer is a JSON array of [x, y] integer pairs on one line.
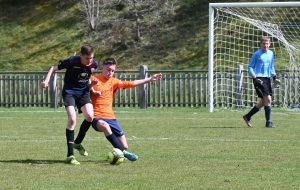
[[103, 104]]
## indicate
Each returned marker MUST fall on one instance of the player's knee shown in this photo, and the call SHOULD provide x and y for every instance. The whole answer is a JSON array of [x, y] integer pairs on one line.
[[103, 127], [72, 122], [89, 118]]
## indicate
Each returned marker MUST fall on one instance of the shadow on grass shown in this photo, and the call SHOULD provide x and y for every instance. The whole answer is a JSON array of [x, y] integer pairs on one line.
[[218, 127], [33, 162]]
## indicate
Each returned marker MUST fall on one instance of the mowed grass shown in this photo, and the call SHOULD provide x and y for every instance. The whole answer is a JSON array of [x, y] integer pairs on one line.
[[178, 148]]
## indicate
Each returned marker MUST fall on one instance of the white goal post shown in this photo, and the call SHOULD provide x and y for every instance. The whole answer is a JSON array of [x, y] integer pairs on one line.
[[235, 31]]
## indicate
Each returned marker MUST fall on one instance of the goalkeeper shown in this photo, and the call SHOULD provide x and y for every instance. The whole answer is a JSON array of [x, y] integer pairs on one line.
[[261, 69]]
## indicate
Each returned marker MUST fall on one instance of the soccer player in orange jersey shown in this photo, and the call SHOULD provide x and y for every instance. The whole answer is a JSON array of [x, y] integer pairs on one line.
[[102, 95]]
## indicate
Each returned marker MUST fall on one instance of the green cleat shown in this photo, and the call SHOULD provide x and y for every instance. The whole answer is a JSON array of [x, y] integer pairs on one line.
[[81, 150], [72, 160]]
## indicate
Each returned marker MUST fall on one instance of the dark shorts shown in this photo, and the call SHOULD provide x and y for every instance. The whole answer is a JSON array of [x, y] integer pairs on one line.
[[113, 123], [265, 89], [77, 100]]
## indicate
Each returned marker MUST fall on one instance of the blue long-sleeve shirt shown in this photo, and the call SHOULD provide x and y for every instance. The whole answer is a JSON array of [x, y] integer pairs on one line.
[[262, 64]]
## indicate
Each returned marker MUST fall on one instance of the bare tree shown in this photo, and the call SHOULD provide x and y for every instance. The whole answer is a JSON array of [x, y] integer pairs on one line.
[[94, 10], [140, 8], [122, 19]]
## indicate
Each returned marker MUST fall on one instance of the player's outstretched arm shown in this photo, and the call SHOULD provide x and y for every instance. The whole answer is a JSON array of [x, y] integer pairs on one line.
[[154, 77], [44, 83]]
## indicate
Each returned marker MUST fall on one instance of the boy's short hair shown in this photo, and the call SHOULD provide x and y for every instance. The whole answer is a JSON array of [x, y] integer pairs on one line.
[[265, 38], [110, 61], [86, 49]]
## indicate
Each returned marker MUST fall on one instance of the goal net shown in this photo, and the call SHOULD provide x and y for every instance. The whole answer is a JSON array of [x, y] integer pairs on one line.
[[235, 31]]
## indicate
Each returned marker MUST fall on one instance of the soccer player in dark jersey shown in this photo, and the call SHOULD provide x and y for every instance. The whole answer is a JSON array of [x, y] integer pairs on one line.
[[261, 69], [76, 92]]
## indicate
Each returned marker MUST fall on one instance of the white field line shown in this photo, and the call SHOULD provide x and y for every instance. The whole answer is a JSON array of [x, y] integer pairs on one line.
[[32, 111], [54, 111], [80, 117], [17, 139], [120, 118], [285, 111]]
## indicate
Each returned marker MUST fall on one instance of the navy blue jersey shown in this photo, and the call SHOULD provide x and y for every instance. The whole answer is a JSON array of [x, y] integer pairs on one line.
[[76, 80]]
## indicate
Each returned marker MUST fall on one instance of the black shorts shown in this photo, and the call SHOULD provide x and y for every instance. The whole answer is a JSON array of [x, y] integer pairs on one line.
[[77, 100], [265, 89]]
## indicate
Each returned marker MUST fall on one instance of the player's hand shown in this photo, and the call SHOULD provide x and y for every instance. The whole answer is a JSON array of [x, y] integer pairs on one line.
[[276, 82], [44, 84], [94, 81], [96, 93], [257, 81], [156, 77]]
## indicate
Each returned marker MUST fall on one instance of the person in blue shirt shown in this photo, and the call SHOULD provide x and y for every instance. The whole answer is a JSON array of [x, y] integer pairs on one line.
[[76, 92], [261, 69]]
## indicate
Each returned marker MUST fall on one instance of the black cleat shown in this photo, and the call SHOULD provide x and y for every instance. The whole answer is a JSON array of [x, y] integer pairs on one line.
[[270, 125]]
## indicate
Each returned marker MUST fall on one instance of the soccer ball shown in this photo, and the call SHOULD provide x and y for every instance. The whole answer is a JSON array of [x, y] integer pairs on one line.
[[115, 156]]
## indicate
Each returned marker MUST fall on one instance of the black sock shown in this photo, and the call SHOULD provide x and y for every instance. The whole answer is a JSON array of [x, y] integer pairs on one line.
[[84, 127], [268, 113], [70, 141], [253, 111], [114, 141]]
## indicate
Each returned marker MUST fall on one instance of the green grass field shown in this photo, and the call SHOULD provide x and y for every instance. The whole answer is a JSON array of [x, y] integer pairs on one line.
[[178, 148]]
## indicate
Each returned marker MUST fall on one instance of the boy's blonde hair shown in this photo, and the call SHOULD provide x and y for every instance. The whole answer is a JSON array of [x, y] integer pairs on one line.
[[265, 38]]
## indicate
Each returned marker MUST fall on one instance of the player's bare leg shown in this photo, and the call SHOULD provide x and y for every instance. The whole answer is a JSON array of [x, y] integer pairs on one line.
[[130, 156], [88, 114], [268, 109], [70, 134]]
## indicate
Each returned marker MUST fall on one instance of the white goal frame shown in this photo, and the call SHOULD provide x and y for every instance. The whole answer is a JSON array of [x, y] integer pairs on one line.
[[211, 37]]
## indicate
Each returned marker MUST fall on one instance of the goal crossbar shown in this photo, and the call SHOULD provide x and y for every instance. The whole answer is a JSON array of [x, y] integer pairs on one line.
[[255, 4]]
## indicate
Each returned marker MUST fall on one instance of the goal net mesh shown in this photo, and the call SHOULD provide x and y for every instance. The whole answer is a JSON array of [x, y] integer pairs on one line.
[[237, 35]]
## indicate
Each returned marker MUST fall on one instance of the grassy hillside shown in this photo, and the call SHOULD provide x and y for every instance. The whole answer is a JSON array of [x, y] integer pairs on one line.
[[36, 34]]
